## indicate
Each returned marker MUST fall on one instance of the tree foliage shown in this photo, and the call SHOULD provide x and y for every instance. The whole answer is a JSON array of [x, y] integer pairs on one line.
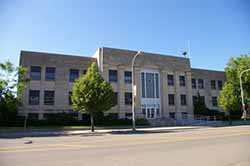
[[92, 94], [230, 98], [12, 81], [200, 107]]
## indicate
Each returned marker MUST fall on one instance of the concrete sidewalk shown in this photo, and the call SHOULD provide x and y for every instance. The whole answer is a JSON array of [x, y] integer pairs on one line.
[[61, 132]]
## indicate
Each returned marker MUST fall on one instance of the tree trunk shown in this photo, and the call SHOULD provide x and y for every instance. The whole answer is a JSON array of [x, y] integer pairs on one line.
[[92, 123]]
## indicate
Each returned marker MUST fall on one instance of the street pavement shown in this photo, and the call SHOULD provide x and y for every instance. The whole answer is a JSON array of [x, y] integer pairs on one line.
[[222, 146]]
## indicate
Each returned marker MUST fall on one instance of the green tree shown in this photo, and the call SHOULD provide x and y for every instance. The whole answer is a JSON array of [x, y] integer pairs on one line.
[[12, 81], [92, 94], [230, 98], [200, 107]]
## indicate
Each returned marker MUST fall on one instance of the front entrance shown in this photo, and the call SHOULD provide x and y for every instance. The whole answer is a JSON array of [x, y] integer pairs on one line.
[[151, 111]]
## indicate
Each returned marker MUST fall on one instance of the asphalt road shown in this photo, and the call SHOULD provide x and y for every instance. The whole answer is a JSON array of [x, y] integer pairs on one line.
[[224, 146]]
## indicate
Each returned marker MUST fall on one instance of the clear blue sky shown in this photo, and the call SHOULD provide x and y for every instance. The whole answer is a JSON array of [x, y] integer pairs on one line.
[[217, 29]]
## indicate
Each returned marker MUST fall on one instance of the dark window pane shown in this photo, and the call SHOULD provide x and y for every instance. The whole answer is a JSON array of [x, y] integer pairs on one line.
[[150, 85], [49, 97], [220, 85], [193, 83], [128, 77], [183, 100], [143, 84], [84, 71], [73, 74], [128, 115], [128, 98], [113, 76], [171, 99], [170, 80], [213, 84], [50, 73], [157, 85], [194, 99], [115, 98], [34, 97], [182, 81], [184, 115], [172, 115], [70, 100], [35, 72], [200, 83], [214, 101]]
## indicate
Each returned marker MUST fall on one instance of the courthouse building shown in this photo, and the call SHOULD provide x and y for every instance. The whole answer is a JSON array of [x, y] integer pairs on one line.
[[166, 85]]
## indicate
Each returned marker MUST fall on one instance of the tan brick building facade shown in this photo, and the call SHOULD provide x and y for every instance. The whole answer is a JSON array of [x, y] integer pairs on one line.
[[166, 85]]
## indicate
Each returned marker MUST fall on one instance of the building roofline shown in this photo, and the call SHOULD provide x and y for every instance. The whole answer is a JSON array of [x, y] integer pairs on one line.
[[208, 70], [159, 54], [56, 54]]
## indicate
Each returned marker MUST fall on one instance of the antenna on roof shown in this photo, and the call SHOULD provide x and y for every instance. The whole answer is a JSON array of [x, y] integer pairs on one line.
[[187, 52]]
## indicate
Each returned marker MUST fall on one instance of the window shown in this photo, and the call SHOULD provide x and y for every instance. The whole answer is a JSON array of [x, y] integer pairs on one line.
[[73, 74], [183, 100], [128, 77], [200, 83], [128, 98], [182, 81], [214, 101], [213, 84], [70, 101], [143, 85], [84, 71], [171, 99], [203, 99], [194, 99], [128, 115], [50, 73], [49, 97], [219, 84], [172, 115], [34, 97], [113, 76], [35, 72], [193, 83], [170, 79], [115, 98], [150, 85], [184, 115]]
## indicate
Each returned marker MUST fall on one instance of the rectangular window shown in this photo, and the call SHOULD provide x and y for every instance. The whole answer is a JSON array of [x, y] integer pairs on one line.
[[143, 85], [182, 81], [50, 73], [194, 99], [172, 115], [128, 77], [70, 100], [73, 74], [128, 98], [184, 115], [156, 85], [203, 99], [35, 73], [170, 80], [49, 97], [220, 85], [115, 98], [113, 76], [193, 83], [34, 97], [84, 71], [183, 100], [214, 101], [171, 99], [213, 84], [128, 115], [200, 84], [150, 85]]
